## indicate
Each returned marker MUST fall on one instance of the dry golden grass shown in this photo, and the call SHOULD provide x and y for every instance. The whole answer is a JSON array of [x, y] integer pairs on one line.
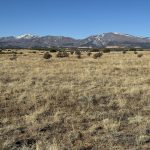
[[75, 104]]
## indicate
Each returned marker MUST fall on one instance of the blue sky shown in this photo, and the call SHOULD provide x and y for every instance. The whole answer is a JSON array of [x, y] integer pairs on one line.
[[75, 18]]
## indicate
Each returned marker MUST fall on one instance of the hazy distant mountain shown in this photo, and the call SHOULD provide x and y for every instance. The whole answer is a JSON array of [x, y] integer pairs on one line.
[[100, 40]]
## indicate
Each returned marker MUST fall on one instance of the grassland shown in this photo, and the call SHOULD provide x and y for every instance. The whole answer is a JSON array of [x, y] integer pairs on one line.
[[75, 104]]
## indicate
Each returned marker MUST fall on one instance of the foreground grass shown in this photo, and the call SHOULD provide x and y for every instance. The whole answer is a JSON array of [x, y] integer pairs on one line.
[[70, 103]]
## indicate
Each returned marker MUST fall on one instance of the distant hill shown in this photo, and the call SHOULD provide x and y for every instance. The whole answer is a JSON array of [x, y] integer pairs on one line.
[[97, 41]]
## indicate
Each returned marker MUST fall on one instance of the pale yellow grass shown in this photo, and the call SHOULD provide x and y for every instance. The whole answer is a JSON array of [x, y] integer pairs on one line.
[[70, 103]]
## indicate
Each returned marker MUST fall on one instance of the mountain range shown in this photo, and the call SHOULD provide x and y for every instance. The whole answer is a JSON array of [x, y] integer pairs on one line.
[[96, 41]]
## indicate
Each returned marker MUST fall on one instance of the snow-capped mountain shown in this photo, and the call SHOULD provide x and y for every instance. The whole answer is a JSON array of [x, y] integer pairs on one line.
[[26, 36], [99, 40], [116, 39]]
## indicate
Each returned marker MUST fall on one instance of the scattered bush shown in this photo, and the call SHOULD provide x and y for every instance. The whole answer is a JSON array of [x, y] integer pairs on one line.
[[10, 52], [62, 54], [124, 52], [33, 52], [21, 53], [132, 49], [13, 52], [139, 55], [77, 52], [106, 50], [71, 52], [135, 52], [59, 54], [47, 55], [53, 50], [97, 55], [89, 53], [140, 49], [95, 50], [65, 54]]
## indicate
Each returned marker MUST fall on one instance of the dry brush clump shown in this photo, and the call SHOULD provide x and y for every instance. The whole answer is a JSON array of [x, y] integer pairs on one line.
[[47, 55], [135, 52], [97, 55], [71, 52], [62, 54], [77, 52], [140, 55], [106, 50], [89, 53], [124, 51]]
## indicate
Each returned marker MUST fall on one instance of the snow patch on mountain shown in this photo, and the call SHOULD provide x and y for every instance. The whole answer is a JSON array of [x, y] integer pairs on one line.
[[117, 33], [26, 36]]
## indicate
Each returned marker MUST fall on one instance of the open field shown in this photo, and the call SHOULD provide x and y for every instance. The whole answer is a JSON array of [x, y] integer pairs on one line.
[[75, 104]]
